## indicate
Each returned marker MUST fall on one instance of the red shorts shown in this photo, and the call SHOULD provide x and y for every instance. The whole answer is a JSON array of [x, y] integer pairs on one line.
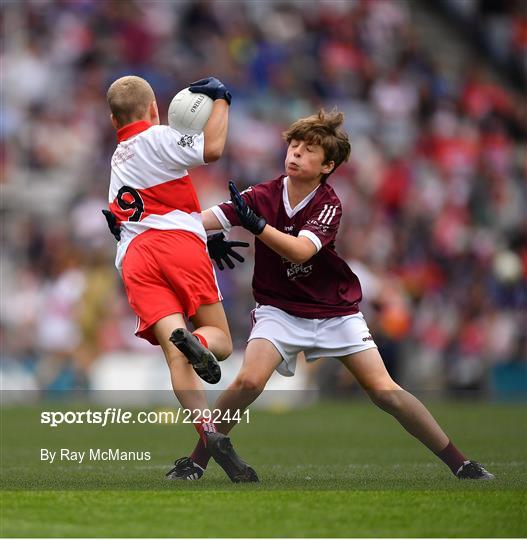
[[166, 272]]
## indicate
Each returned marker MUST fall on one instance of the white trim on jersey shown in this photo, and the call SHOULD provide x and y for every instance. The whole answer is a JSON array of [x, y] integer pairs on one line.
[[222, 218], [327, 214], [333, 212], [313, 237], [302, 204]]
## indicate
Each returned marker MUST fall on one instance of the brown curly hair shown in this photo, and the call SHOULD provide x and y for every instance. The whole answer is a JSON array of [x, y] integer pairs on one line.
[[322, 129]]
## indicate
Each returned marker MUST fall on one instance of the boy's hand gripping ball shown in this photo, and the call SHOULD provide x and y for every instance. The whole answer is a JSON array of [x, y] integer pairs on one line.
[[211, 87], [190, 109]]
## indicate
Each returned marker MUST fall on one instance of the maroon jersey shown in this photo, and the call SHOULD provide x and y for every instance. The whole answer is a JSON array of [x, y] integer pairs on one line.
[[322, 287]]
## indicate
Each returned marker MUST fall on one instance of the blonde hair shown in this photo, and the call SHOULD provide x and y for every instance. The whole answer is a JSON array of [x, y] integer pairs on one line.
[[323, 129], [129, 98]]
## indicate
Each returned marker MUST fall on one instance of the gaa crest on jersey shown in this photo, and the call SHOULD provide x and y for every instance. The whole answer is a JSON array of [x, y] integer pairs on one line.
[[186, 140]]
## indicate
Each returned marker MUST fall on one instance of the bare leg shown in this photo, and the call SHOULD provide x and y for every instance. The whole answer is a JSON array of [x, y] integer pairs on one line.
[[211, 323], [369, 370], [261, 359], [186, 384]]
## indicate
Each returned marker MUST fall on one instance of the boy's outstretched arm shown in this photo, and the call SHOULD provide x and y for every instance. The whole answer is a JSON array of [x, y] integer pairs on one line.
[[220, 249], [215, 132], [298, 250], [210, 221]]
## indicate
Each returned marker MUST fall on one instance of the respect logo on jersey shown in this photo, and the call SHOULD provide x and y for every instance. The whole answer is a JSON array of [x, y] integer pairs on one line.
[[299, 270]]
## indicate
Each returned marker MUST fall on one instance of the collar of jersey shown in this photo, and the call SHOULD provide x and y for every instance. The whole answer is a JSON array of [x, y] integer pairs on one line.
[[132, 129], [302, 204]]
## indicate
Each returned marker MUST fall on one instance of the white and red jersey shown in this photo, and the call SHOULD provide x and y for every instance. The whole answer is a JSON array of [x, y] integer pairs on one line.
[[150, 187]]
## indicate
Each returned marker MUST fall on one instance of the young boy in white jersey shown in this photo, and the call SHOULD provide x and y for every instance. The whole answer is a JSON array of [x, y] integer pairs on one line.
[[307, 296], [162, 253]]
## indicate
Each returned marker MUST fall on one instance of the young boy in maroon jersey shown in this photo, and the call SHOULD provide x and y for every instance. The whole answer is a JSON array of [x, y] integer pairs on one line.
[[307, 296]]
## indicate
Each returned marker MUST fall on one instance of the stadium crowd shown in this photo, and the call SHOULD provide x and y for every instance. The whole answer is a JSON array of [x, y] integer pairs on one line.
[[498, 27], [434, 195]]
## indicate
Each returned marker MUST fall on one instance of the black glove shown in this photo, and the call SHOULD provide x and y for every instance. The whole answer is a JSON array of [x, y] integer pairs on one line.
[[248, 218], [114, 227], [211, 87], [220, 249]]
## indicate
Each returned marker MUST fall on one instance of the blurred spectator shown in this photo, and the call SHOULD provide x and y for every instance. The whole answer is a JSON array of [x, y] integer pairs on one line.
[[499, 28]]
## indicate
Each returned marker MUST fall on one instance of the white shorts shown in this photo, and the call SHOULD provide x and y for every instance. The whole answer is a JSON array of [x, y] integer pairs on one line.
[[317, 338]]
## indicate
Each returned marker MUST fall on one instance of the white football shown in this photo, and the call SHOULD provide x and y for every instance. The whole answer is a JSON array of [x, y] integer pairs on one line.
[[188, 112]]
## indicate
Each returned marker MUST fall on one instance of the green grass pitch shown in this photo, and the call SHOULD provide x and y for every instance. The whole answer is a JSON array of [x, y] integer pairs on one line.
[[340, 469]]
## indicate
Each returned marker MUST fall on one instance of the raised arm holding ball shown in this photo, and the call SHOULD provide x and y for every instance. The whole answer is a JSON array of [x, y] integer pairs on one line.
[[162, 250]]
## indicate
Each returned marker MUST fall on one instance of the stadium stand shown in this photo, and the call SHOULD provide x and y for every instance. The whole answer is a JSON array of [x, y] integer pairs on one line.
[[434, 194]]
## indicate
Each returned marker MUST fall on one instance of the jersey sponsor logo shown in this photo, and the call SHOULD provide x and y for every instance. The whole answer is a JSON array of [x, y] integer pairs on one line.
[[250, 188], [299, 270], [124, 152], [327, 214], [322, 229], [186, 140]]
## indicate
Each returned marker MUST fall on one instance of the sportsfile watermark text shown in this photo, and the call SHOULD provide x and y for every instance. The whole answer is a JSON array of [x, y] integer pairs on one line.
[[113, 415]]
